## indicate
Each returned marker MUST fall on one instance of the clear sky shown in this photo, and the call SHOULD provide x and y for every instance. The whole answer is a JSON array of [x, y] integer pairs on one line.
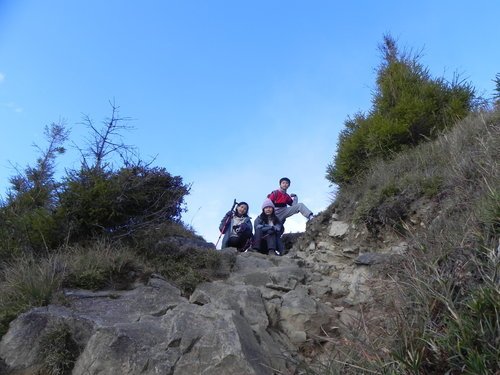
[[230, 95]]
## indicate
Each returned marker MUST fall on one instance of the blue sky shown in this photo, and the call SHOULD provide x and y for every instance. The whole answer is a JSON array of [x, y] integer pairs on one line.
[[230, 95]]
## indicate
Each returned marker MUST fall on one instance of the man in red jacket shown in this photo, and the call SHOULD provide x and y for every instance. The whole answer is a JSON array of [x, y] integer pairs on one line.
[[288, 205]]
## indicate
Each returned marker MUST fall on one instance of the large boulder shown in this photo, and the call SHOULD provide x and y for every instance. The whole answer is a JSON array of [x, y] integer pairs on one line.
[[151, 329], [301, 317]]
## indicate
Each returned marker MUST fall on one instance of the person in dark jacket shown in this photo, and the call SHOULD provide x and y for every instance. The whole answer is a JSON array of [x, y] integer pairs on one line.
[[236, 227], [288, 205], [268, 231]]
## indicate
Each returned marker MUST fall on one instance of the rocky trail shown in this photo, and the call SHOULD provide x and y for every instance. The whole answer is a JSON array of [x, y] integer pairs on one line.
[[272, 315]]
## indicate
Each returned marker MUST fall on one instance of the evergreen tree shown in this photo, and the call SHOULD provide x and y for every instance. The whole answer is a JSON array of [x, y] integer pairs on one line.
[[409, 106]]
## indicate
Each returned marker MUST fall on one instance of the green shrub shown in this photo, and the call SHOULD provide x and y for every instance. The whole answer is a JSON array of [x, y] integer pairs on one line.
[[94, 202], [27, 222], [41, 214], [409, 106]]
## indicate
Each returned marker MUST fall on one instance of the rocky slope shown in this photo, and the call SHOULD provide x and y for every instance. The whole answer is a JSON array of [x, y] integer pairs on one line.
[[270, 316], [333, 296]]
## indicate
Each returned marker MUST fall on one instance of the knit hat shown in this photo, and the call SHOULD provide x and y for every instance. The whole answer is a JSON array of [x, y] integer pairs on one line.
[[267, 203], [285, 179]]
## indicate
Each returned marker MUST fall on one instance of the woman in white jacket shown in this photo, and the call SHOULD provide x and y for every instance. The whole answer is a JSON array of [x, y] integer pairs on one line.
[[237, 227]]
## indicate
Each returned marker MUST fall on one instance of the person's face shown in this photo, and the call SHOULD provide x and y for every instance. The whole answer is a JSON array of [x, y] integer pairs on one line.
[[268, 210], [242, 209], [284, 184]]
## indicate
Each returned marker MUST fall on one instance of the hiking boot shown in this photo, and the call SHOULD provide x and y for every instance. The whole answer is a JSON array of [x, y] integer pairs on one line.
[[277, 253]]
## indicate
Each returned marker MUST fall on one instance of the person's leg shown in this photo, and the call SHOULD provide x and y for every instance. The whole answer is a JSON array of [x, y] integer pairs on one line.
[[257, 240], [233, 242], [271, 244], [245, 241], [263, 247], [280, 246], [240, 242], [285, 212]]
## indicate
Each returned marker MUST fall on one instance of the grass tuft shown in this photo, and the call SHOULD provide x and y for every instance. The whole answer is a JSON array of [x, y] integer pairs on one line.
[[59, 351]]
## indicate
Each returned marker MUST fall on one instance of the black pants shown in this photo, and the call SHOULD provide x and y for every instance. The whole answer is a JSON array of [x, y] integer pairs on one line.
[[238, 242], [265, 242]]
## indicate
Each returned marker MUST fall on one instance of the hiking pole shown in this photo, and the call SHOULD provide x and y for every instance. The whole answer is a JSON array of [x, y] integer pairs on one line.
[[225, 223], [251, 242]]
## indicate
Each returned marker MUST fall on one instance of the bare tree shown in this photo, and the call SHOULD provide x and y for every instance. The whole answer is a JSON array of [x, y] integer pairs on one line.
[[106, 141]]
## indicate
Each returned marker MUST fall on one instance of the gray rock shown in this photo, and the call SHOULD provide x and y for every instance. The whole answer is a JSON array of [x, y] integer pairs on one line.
[[301, 315], [369, 259], [214, 341], [150, 331], [243, 299], [338, 229]]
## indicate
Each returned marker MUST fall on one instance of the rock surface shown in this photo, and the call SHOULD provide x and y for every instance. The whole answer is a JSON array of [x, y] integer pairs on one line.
[[268, 315]]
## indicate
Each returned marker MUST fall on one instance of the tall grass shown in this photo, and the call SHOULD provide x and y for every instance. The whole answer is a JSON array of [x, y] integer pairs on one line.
[[447, 319], [30, 281]]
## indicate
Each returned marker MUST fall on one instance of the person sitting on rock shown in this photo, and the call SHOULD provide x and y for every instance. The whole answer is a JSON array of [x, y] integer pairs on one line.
[[236, 227], [288, 205], [268, 231]]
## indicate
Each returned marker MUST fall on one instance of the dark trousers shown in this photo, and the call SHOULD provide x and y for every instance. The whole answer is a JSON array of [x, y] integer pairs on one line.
[[238, 242], [265, 242]]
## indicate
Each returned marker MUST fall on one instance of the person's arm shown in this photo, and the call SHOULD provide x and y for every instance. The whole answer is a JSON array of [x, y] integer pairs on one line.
[[278, 227], [260, 225], [246, 226], [257, 224]]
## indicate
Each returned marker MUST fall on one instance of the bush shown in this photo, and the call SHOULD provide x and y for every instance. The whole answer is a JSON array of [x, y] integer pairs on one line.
[[26, 217], [41, 214], [409, 106], [94, 202]]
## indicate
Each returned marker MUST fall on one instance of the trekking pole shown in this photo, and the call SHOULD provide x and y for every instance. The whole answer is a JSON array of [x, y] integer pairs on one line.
[[251, 242], [225, 223]]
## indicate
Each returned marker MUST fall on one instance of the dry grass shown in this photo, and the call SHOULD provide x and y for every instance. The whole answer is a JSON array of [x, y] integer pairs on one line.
[[450, 319], [30, 281]]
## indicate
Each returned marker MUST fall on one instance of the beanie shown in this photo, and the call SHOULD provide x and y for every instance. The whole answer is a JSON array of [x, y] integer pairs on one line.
[[267, 203], [285, 179]]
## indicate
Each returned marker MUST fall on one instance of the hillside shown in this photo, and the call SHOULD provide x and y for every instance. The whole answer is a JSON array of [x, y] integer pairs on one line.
[[399, 275], [427, 225]]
